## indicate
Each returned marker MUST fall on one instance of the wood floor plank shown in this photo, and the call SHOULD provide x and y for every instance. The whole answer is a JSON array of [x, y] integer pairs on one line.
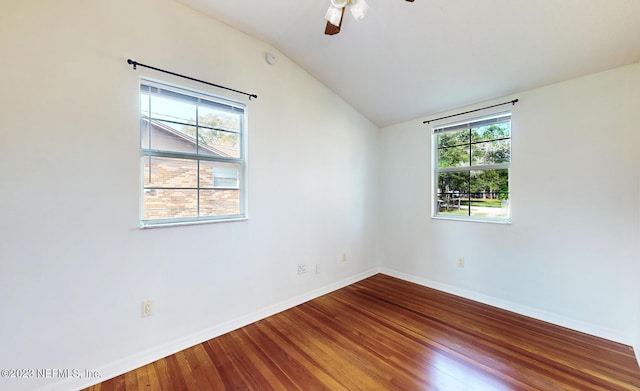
[[272, 378], [383, 333], [153, 381], [292, 359], [142, 377]]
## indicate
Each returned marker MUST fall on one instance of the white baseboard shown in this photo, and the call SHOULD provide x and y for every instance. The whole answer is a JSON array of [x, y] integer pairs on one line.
[[143, 358], [531, 312], [636, 350]]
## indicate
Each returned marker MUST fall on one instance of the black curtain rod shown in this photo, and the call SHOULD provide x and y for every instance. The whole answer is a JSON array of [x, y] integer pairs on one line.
[[513, 102], [137, 64]]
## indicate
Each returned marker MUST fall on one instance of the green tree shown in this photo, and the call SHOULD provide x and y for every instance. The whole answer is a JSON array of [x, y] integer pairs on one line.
[[471, 147], [215, 130]]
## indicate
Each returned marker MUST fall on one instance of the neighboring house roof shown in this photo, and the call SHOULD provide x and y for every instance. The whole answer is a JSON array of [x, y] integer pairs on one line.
[[162, 128]]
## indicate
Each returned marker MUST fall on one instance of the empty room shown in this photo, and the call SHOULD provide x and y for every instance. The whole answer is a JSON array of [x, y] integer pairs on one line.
[[320, 195]]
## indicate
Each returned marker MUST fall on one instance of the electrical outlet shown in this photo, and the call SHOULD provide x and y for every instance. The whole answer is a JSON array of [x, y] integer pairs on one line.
[[344, 257], [302, 268], [317, 268], [147, 308], [460, 261]]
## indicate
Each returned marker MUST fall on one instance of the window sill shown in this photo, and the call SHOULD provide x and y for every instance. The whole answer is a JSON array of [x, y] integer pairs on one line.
[[193, 222], [472, 219]]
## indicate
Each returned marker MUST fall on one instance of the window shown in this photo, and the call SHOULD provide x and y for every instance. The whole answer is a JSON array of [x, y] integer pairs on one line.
[[192, 147], [471, 169]]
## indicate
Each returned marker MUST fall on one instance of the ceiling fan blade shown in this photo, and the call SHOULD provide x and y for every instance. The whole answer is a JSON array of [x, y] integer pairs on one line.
[[331, 29], [410, 1]]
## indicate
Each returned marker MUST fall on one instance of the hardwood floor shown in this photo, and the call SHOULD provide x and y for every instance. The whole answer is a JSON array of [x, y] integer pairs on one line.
[[386, 334]]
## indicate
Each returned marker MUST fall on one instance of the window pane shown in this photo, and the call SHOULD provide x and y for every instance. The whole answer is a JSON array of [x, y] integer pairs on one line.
[[453, 196], [452, 139], [219, 202], [144, 102], [169, 172], [171, 137], [491, 152], [170, 204], [173, 107], [213, 116], [453, 149], [490, 193], [453, 157], [492, 132], [218, 143], [219, 175], [145, 131]]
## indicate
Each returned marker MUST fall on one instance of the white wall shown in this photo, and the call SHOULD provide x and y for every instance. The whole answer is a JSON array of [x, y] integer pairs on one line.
[[636, 347], [74, 267], [571, 254]]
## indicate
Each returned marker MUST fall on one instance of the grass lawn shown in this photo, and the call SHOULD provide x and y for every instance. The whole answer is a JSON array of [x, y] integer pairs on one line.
[[487, 203]]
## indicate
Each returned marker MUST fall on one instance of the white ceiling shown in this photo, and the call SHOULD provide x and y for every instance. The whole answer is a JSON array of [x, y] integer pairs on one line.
[[407, 60]]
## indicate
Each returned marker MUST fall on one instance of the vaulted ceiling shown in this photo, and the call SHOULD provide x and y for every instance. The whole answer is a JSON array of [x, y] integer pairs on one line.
[[406, 60]]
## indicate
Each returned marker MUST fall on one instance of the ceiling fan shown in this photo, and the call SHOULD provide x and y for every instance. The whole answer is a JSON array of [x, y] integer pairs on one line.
[[335, 13]]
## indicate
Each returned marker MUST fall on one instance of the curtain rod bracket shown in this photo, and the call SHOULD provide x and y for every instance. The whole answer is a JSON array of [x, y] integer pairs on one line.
[[135, 65], [513, 102]]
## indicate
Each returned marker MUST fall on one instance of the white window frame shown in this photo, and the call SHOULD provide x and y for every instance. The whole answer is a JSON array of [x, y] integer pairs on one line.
[[241, 161], [435, 170]]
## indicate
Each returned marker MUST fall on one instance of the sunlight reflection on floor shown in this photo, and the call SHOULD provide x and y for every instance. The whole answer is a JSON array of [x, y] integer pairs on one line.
[[450, 373]]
